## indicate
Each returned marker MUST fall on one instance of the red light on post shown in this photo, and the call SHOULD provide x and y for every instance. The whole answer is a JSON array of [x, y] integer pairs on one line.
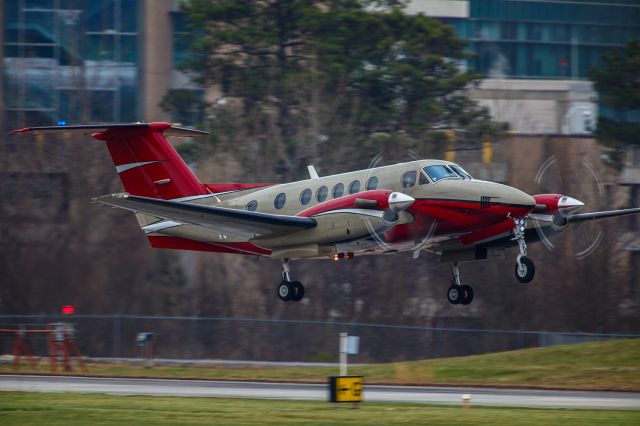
[[68, 310]]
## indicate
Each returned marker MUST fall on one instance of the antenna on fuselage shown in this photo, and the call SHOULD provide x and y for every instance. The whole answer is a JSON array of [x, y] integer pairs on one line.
[[313, 174]]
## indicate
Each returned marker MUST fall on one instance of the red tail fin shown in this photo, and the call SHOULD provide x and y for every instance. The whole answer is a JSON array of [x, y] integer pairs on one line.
[[148, 165], [146, 162]]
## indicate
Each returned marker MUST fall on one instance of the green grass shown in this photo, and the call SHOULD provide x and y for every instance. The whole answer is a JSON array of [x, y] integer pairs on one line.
[[611, 365], [18, 408]]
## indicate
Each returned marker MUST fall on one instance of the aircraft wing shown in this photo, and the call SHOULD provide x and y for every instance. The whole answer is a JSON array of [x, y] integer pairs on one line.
[[225, 221], [500, 236], [582, 217]]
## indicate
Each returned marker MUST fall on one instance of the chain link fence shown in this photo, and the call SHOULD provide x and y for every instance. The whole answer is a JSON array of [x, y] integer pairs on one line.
[[198, 338]]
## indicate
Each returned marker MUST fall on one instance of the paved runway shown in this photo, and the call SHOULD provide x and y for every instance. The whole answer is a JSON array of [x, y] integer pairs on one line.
[[432, 395]]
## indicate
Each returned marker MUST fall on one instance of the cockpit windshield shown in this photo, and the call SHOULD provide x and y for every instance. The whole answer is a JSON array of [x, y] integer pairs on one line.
[[440, 171], [459, 170]]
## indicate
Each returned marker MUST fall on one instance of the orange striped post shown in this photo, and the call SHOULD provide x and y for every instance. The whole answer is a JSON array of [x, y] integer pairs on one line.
[[20, 346], [53, 351]]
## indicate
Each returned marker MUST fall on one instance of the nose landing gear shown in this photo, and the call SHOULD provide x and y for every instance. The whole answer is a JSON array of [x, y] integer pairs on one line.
[[525, 269], [287, 289], [458, 293]]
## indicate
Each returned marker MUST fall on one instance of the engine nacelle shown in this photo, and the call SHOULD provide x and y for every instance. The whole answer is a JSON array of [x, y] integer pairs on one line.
[[349, 218], [559, 221], [556, 203]]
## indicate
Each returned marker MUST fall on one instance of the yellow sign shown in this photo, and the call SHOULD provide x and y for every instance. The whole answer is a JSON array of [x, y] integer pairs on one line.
[[346, 388]]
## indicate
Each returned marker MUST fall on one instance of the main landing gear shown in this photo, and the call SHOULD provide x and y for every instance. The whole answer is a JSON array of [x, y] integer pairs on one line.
[[525, 270], [287, 289], [458, 293]]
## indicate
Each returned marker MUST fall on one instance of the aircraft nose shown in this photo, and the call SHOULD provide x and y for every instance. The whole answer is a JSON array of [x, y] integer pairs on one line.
[[519, 200], [569, 205], [520, 203]]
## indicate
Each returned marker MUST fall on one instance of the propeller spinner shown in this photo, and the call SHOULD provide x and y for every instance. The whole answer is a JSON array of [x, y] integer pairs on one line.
[[399, 201], [567, 205]]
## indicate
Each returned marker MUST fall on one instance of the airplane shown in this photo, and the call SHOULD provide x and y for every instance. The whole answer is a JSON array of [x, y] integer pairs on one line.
[[425, 205]]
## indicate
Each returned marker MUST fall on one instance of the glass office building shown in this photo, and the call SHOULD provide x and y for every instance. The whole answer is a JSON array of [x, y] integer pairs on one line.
[[70, 60], [556, 39], [113, 60]]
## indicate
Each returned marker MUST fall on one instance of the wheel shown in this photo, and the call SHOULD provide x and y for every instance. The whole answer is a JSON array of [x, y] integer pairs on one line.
[[285, 291], [468, 294], [455, 294], [298, 291], [526, 271]]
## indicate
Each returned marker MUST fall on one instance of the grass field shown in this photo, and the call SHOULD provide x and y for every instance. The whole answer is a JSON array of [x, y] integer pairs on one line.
[[18, 408], [611, 365]]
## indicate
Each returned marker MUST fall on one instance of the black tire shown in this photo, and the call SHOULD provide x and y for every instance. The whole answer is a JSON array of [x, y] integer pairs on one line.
[[455, 294], [468, 294], [298, 291], [527, 272], [285, 291]]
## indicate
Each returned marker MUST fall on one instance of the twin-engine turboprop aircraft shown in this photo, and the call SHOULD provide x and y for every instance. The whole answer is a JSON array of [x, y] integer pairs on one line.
[[430, 205]]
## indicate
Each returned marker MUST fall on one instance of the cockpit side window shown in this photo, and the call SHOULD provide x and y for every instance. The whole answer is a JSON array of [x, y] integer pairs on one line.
[[423, 179], [440, 171], [460, 171]]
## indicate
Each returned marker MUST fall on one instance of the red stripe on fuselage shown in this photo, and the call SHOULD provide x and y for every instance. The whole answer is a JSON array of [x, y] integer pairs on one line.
[[453, 218], [179, 243], [482, 234]]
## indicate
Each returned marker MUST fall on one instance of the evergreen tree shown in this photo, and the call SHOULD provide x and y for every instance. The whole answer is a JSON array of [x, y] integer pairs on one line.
[[618, 86], [314, 78]]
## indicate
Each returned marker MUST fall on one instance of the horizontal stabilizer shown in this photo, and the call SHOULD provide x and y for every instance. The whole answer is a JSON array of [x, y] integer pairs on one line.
[[146, 163], [87, 129], [225, 221], [583, 217]]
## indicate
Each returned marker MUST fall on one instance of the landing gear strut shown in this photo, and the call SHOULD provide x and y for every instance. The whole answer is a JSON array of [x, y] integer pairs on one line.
[[458, 293], [525, 269], [287, 289]]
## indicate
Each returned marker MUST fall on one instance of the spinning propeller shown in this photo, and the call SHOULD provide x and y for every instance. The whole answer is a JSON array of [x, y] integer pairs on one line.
[[398, 202], [561, 210]]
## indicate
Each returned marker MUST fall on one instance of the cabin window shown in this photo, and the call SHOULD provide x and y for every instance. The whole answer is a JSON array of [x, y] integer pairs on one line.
[[338, 190], [305, 197], [423, 179], [281, 198], [372, 183], [252, 205], [440, 171], [354, 187], [460, 171], [322, 193], [409, 179]]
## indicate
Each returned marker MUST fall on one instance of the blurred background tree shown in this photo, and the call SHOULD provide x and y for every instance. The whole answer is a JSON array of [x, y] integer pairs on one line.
[[309, 80], [618, 85]]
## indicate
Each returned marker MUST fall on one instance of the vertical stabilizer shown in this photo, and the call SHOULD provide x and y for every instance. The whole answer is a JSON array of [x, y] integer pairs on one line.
[[148, 165], [146, 162]]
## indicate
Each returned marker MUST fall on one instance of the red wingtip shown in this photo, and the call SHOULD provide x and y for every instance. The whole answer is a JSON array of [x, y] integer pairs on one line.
[[23, 130]]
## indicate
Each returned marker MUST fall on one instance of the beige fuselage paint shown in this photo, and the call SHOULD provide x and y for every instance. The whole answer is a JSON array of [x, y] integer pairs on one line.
[[340, 226], [389, 177]]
